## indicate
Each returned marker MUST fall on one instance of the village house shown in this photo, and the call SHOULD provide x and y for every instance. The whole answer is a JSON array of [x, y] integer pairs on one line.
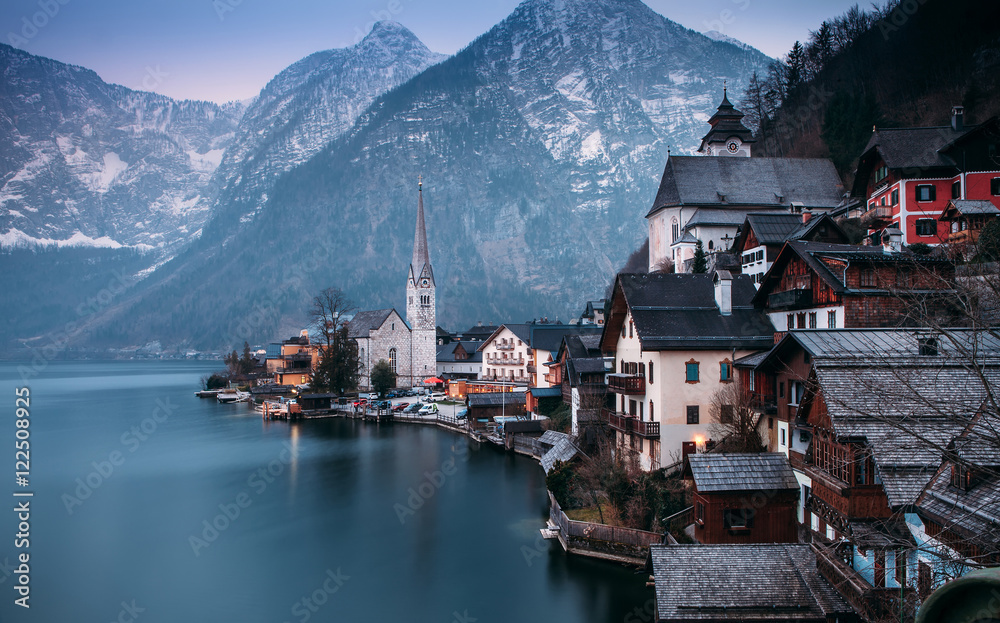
[[707, 197], [545, 341], [292, 361], [743, 497], [581, 374], [726, 583], [410, 346], [906, 176], [867, 436], [506, 355], [459, 360], [593, 313], [815, 285], [761, 237], [673, 339], [966, 218]]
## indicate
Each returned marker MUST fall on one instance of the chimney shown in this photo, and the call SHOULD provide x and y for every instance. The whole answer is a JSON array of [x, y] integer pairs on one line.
[[958, 118], [892, 240], [806, 216], [724, 291]]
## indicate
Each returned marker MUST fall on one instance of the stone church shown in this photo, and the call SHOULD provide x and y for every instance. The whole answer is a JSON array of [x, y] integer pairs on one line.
[[409, 345]]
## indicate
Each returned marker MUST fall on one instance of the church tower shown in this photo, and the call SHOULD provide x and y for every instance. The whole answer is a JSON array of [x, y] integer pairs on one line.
[[421, 302], [728, 136]]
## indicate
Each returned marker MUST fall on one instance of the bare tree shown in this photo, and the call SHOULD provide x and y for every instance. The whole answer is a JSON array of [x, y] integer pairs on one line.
[[339, 367], [735, 421]]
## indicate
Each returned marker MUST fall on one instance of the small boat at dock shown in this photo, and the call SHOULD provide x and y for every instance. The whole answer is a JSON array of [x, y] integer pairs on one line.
[[226, 397]]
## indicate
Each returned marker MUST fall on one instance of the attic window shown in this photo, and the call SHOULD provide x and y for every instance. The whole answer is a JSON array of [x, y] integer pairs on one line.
[[928, 346], [722, 196], [961, 477]]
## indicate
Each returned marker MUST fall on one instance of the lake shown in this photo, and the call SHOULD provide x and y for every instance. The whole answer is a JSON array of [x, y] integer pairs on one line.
[[153, 505]]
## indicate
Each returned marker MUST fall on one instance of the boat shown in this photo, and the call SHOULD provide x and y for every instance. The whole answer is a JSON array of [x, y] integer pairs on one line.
[[233, 396]]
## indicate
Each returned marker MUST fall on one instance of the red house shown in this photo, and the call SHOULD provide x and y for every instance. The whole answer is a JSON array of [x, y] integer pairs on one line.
[[743, 498], [907, 176]]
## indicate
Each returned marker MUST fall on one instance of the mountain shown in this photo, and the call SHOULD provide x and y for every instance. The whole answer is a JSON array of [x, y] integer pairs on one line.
[[86, 163], [541, 145], [307, 106]]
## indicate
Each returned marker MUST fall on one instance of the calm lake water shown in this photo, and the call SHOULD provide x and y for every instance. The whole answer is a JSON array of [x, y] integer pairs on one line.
[[326, 520]]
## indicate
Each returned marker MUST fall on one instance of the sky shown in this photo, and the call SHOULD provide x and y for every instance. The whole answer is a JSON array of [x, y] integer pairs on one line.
[[223, 50]]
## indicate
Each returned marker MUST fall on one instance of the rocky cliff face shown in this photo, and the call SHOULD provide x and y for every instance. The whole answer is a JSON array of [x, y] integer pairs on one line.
[[86, 163], [540, 144]]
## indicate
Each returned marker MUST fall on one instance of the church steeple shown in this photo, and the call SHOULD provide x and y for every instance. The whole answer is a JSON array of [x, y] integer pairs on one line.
[[420, 266], [728, 136]]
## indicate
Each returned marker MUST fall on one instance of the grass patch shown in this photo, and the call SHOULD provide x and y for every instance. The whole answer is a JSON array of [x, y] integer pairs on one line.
[[589, 514]]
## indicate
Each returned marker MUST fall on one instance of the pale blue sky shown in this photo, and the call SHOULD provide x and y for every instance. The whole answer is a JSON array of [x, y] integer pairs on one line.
[[228, 49]]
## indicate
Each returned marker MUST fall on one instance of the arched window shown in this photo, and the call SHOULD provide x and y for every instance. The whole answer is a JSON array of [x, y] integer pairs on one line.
[[361, 355], [711, 245], [675, 230], [392, 359], [652, 414]]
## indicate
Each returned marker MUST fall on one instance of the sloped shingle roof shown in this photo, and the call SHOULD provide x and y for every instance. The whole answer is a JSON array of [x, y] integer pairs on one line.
[[742, 582], [366, 321], [741, 472], [762, 182]]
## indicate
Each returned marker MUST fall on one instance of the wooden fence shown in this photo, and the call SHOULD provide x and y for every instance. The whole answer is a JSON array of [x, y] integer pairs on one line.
[[601, 532]]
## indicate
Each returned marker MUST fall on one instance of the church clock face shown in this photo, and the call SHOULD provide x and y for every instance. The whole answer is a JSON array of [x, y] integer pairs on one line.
[[733, 147]]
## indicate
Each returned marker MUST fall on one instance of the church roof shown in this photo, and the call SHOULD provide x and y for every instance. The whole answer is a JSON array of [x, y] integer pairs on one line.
[[366, 321], [748, 182]]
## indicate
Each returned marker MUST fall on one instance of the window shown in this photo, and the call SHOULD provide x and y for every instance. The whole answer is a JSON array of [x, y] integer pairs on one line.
[[867, 278], [726, 371], [699, 512], [995, 186], [831, 319], [881, 173], [782, 441], [928, 346], [791, 321], [651, 382], [726, 414], [802, 320], [692, 414], [903, 277], [651, 412], [960, 477], [812, 320], [926, 192], [392, 359], [956, 189], [630, 328], [737, 518], [781, 389], [895, 197], [795, 391], [691, 370], [711, 245], [675, 230], [926, 227]]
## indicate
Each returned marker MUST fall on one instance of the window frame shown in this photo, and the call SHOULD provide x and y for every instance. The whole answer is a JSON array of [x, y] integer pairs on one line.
[[687, 371], [924, 225], [693, 413], [931, 192]]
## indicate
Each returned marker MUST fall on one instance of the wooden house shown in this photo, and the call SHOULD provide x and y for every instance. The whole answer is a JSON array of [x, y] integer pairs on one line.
[[743, 498], [761, 237]]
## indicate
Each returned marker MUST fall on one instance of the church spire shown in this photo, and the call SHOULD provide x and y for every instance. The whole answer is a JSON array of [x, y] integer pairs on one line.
[[421, 264]]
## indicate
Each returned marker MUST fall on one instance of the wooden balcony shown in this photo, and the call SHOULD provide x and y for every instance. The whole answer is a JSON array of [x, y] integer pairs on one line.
[[791, 299], [768, 405], [966, 235], [878, 214], [626, 384], [877, 603], [631, 424], [499, 361], [505, 347]]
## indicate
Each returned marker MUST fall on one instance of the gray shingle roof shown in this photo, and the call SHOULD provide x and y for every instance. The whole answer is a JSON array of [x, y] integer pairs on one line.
[[975, 206], [366, 321], [904, 148], [761, 182], [721, 216], [562, 449], [497, 399], [741, 472], [877, 344], [549, 337], [678, 311], [742, 583], [446, 352]]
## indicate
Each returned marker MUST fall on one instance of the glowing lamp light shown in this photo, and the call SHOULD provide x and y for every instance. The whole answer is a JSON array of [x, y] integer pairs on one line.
[[699, 439]]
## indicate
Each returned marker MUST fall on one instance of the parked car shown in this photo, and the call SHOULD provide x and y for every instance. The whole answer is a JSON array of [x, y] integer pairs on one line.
[[438, 396], [461, 415], [384, 404], [413, 408], [360, 403], [373, 396], [400, 406], [428, 409]]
